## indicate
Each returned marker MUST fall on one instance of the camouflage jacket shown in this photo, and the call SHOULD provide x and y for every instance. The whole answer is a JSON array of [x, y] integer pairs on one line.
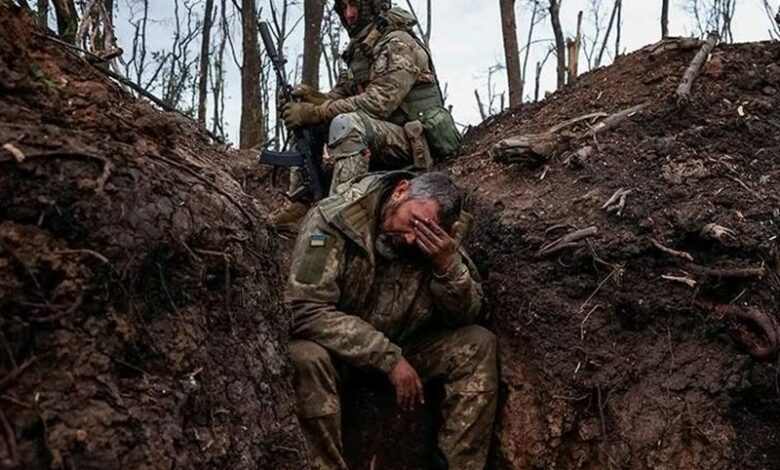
[[388, 76], [359, 305]]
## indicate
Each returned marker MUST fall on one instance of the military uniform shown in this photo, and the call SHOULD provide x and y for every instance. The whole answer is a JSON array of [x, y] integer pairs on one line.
[[351, 305], [388, 81]]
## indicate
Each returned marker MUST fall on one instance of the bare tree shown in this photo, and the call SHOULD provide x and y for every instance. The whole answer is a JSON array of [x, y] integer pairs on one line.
[[573, 47], [205, 52], [608, 33], [529, 40], [252, 131], [67, 19], [43, 13], [774, 19], [539, 68], [313, 13], [331, 45], [619, 34], [664, 19], [714, 15], [560, 44], [511, 52], [495, 101], [425, 34], [218, 75]]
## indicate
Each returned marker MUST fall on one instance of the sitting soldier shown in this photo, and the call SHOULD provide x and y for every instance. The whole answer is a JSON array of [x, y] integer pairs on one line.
[[378, 281], [386, 111]]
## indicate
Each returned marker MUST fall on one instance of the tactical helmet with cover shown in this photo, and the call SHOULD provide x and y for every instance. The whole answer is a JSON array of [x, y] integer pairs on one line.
[[368, 11]]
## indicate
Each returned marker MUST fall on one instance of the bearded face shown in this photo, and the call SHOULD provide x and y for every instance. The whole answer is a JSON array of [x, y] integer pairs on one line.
[[356, 15]]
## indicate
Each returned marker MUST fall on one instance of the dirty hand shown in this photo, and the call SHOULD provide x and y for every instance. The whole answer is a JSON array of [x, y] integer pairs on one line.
[[436, 244], [300, 114], [308, 94], [408, 387]]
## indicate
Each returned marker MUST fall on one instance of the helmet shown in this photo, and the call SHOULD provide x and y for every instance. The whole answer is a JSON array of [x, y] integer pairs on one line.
[[369, 10]]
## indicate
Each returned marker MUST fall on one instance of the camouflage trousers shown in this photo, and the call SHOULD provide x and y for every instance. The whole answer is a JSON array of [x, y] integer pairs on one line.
[[465, 358], [358, 144]]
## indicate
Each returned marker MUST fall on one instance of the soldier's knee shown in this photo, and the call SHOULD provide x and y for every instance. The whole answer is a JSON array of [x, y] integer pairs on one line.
[[343, 126], [307, 356], [482, 340]]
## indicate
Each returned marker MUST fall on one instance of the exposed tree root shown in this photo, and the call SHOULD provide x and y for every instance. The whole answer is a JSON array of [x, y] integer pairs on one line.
[[568, 241], [767, 349], [669, 251]]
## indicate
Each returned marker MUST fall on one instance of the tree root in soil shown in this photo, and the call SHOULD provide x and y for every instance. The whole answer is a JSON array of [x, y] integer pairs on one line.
[[567, 241], [669, 251], [617, 203], [766, 349], [684, 90], [541, 147]]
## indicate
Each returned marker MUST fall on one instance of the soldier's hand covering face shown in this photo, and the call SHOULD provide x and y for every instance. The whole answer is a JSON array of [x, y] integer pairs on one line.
[[436, 244]]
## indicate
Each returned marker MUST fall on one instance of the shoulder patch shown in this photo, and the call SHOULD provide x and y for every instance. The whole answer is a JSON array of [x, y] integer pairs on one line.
[[317, 240], [315, 259]]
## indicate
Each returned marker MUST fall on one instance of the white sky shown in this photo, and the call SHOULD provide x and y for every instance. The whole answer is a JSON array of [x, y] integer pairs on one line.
[[466, 41]]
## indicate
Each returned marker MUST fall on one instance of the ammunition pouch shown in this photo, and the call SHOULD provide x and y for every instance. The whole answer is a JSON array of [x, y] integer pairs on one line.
[[421, 152]]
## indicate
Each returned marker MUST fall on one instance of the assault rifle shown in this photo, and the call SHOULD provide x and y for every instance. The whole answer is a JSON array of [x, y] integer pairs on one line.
[[305, 153]]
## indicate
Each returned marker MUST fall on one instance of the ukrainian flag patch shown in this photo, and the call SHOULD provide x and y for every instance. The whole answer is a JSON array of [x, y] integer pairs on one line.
[[317, 240]]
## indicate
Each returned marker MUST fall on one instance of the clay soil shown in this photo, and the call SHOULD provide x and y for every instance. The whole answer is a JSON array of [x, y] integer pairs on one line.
[[140, 287]]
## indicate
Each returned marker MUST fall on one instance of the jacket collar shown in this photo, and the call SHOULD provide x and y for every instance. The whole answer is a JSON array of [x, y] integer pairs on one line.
[[355, 211]]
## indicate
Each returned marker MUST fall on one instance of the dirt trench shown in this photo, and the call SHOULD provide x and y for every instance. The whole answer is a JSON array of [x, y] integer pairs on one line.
[[140, 289], [620, 351]]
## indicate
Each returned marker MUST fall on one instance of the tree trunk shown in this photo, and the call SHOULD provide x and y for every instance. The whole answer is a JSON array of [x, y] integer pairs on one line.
[[313, 13], [560, 44], [609, 32], [252, 132], [573, 47], [665, 19], [67, 19], [205, 46], [511, 52], [619, 34], [531, 27], [43, 13]]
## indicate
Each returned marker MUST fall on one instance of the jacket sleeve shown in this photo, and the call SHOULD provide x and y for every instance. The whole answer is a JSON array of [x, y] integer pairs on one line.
[[457, 294], [341, 89], [394, 73], [312, 295]]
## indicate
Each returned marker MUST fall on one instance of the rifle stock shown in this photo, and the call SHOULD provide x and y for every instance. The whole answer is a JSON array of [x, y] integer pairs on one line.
[[307, 155]]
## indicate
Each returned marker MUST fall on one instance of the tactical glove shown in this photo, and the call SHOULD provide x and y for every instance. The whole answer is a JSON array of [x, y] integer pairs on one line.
[[307, 94], [301, 114]]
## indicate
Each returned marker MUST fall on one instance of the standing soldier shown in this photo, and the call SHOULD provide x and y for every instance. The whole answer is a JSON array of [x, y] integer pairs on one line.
[[378, 281], [385, 113]]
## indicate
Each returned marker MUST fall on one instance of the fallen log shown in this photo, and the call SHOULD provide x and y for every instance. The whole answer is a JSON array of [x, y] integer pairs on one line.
[[540, 147], [673, 44], [684, 90]]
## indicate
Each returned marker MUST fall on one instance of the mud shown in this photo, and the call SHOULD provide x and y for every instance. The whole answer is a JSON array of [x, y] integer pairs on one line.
[[139, 286]]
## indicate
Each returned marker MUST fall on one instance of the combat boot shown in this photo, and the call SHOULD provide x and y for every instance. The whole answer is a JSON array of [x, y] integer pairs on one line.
[[287, 217]]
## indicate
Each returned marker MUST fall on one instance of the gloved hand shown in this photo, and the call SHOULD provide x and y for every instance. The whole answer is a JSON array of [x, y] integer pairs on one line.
[[300, 114], [304, 94], [308, 94]]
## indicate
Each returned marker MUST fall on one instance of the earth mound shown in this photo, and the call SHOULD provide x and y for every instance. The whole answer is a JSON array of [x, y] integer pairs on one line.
[[634, 274], [140, 289]]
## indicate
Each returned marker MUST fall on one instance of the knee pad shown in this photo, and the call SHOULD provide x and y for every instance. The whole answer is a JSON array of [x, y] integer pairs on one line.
[[343, 126]]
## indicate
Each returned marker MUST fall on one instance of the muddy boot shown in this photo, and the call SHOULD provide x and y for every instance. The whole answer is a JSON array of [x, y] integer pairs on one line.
[[287, 217]]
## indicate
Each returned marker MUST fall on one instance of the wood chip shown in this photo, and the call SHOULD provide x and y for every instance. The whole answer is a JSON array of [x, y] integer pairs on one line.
[[18, 155]]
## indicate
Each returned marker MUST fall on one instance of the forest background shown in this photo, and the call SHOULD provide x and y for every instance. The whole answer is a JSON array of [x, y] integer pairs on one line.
[[204, 58]]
